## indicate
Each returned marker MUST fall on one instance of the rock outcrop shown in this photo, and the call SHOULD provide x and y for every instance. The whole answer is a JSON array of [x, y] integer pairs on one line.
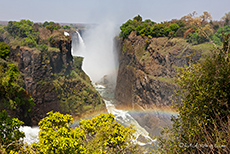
[[53, 80], [146, 69]]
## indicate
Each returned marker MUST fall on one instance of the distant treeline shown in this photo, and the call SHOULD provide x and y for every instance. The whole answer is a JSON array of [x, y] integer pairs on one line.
[[196, 29]]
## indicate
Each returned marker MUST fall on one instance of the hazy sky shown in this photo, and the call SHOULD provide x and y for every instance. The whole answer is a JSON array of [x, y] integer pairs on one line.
[[95, 11]]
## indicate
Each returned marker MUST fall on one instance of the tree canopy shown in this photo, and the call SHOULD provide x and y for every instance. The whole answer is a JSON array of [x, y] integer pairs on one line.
[[196, 29], [9, 133], [203, 121], [101, 134]]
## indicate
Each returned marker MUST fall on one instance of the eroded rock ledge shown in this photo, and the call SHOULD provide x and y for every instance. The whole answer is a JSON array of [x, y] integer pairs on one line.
[[146, 69]]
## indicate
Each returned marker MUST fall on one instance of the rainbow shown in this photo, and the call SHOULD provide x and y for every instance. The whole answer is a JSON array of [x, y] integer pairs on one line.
[[162, 112]]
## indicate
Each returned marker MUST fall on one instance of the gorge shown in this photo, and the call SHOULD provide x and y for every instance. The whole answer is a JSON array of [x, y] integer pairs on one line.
[[93, 70]]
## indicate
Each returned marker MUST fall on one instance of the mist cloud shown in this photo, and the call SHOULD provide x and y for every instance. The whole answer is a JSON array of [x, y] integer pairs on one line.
[[99, 55]]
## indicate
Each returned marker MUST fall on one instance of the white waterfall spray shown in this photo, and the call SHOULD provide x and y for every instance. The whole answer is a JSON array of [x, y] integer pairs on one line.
[[99, 60], [125, 118], [98, 53], [79, 48], [31, 134]]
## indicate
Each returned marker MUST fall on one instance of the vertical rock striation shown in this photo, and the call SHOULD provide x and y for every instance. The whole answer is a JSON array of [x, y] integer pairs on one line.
[[146, 69]]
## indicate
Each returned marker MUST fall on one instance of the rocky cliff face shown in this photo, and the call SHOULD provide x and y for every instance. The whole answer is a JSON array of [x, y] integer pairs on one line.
[[54, 82], [146, 69]]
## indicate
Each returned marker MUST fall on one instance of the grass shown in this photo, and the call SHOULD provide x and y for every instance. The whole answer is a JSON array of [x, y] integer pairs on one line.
[[167, 80], [52, 49], [204, 48], [177, 43], [163, 79]]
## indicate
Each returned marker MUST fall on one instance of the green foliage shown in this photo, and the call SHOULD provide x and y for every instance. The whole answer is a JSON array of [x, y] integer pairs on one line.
[[195, 38], [66, 27], [47, 23], [148, 28], [75, 92], [196, 29], [56, 136], [9, 133], [204, 111], [77, 63], [12, 94], [29, 42], [218, 36], [174, 27], [2, 29], [42, 47], [102, 134], [127, 28], [180, 23], [105, 135], [22, 29], [52, 26], [4, 50], [138, 18]]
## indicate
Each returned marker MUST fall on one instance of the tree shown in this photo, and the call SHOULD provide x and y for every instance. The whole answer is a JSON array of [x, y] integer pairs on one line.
[[226, 18], [56, 136], [205, 17], [53, 26], [105, 135], [4, 50], [174, 27], [218, 36], [66, 27], [13, 95], [9, 133], [138, 18], [127, 28], [203, 123], [101, 134]]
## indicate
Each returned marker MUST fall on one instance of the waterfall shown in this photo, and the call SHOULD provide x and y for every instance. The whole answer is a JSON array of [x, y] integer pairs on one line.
[[81, 42], [31, 134], [125, 118], [100, 60], [78, 48]]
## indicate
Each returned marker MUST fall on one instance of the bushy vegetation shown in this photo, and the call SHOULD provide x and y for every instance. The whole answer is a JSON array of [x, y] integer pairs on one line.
[[9, 133], [218, 36], [101, 134], [51, 26], [202, 125], [77, 96], [12, 95], [23, 30], [196, 29], [27, 33], [150, 28], [4, 50], [66, 27]]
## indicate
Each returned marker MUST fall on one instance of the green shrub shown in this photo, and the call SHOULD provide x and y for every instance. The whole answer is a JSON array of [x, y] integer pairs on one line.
[[66, 27], [9, 133], [77, 63], [4, 50], [29, 42], [202, 125], [14, 96], [218, 36], [42, 47], [101, 134], [53, 26]]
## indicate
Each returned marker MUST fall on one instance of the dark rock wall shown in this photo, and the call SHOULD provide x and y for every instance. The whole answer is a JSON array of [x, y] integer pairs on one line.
[[38, 67], [146, 69]]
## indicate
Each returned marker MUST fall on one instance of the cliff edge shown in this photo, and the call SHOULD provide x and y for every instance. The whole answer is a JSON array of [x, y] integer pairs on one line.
[[147, 67]]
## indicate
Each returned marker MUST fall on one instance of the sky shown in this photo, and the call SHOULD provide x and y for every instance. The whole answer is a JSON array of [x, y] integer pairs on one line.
[[118, 11]]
